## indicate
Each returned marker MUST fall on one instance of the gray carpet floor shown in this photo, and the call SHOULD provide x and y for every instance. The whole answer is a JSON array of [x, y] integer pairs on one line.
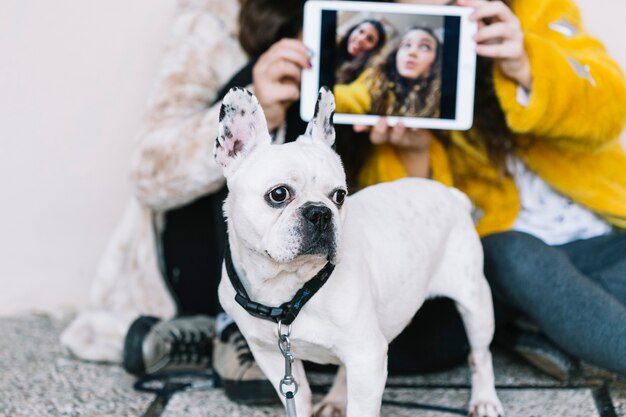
[[37, 378]]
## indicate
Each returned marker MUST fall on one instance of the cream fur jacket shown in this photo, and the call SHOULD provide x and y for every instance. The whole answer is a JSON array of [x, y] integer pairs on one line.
[[172, 165]]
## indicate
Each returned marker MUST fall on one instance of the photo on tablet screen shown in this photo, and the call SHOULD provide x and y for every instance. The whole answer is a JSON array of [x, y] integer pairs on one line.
[[392, 62]]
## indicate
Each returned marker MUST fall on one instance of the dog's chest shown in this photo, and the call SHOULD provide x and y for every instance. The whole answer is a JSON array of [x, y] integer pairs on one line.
[[304, 349], [313, 352]]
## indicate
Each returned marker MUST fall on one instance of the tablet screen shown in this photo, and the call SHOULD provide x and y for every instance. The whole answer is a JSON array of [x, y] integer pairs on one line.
[[406, 64]]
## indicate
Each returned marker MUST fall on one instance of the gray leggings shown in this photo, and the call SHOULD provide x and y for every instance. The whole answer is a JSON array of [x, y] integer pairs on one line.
[[576, 292]]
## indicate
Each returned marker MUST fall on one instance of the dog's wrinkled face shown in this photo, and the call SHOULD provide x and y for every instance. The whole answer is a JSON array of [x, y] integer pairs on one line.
[[285, 201]]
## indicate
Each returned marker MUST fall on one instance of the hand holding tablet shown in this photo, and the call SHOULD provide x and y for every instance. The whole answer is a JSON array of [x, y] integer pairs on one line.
[[411, 63]]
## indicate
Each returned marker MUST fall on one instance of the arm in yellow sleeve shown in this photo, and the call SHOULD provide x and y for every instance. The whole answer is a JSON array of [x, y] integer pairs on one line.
[[578, 95], [354, 97]]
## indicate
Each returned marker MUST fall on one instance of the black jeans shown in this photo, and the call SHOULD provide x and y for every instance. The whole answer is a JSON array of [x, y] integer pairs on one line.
[[192, 250], [575, 292]]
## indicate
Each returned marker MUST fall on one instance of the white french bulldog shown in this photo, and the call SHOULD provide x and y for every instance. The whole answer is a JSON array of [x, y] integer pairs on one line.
[[394, 245]]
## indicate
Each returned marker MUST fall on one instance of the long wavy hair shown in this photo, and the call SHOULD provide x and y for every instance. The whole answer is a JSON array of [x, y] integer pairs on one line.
[[490, 128], [489, 119], [394, 94], [348, 67]]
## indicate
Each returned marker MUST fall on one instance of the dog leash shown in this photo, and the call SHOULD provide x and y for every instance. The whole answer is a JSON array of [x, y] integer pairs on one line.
[[165, 384], [285, 314], [284, 344]]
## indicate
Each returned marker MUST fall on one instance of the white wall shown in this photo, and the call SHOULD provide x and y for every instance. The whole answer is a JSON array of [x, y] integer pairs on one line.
[[74, 76], [605, 19]]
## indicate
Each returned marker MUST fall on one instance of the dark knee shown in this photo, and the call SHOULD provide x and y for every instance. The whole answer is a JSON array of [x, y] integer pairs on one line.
[[512, 256]]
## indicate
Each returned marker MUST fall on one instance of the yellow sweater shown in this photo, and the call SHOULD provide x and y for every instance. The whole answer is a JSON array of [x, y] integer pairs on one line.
[[355, 97], [569, 129]]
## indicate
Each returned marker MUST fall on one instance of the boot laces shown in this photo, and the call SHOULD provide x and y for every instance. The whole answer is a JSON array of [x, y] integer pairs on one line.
[[189, 345], [243, 350]]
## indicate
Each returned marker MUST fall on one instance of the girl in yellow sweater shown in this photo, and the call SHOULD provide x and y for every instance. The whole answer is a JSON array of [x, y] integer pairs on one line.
[[547, 174]]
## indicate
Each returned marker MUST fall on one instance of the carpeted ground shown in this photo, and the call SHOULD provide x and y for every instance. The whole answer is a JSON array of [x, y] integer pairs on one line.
[[37, 378]]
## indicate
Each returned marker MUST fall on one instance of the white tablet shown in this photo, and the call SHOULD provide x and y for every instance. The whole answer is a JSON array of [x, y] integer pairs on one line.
[[410, 63]]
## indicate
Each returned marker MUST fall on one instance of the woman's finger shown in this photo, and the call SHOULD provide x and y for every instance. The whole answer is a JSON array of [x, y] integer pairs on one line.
[[500, 50], [497, 31], [282, 93], [397, 134], [288, 49], [361, 128], [471, 3], [494, 10], [284, 69], [417, 140], [379, 134]]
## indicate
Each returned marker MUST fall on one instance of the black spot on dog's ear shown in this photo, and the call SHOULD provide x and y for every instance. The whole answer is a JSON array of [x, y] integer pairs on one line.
[[328, 123], [227, 132], [226, 110], [217, 143], [248, 91], [237, 147], [242, 112], [329, 129], [317, 105]]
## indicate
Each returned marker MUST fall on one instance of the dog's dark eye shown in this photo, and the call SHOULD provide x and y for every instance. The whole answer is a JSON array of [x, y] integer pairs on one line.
[[279, 195], [339, 197]]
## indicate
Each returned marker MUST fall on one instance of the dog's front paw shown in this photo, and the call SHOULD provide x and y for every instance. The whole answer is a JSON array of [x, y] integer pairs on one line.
[[329, 409], [486, 408]]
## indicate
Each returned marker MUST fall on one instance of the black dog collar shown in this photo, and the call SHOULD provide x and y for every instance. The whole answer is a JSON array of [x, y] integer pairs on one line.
[[287, 312]]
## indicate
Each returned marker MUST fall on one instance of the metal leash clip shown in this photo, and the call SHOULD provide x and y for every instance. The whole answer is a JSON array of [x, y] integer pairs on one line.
[[285, 348]]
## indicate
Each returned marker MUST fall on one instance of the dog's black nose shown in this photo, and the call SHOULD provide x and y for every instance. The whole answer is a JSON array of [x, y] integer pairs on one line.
[[318, 216]]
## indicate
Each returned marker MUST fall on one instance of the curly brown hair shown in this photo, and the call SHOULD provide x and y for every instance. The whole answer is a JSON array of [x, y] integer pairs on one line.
[[490, 126], [394, 94]]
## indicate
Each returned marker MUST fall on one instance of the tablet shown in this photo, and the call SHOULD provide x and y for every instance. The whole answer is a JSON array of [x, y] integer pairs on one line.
[[411, 63]]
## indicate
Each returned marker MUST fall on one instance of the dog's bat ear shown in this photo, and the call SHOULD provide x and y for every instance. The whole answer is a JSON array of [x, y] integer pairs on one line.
[[321, 125], [242, 127]]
